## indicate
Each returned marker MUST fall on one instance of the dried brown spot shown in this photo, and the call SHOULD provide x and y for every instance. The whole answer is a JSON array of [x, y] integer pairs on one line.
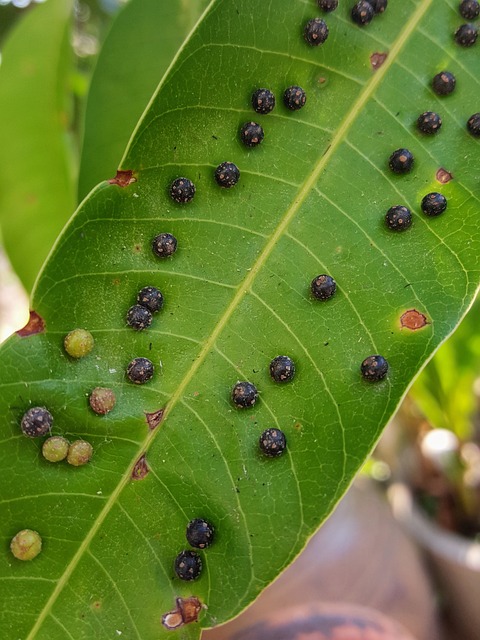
[[154, 419], [187, 611], [443, 176], [413, 320], [297, 426], [35, 324], [97, 605], [116, 282], [137, 247], [123, 178], [140, 470], [377, 59]]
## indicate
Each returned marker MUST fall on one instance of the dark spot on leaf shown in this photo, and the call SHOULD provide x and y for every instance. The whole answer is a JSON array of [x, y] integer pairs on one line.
[[297, 426], [97, 605], [154, 418], [137, 247], [140, 469], [123, 178], [413, 320], [443, 176], [35, 324], [377, 59]]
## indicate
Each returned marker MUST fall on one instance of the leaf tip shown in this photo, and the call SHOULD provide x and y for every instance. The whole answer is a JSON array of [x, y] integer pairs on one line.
[[35, 324], [123, 178]]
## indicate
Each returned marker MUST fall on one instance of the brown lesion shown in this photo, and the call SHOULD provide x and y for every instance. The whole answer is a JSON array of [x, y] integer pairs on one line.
[[123, 178], [413, 320], [35, 324], [141, 468], [443, 176], [377, 59], [153, 419], [187, 611]]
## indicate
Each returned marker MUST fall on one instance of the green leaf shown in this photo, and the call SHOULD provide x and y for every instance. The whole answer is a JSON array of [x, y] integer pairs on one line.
[[141, 44], [311, 199], [36, 176]]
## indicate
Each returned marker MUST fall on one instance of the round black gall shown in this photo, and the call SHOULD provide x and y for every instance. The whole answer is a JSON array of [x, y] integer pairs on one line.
[[188, 565], [164, 245], [378, 6], [323, 287], [429, 122], [251, 134], [139, 317], [151, 298], [315, 32], [36, 422], [227, 175], [294, 98], [263, 101], [473, 125], [282, 369], [444, 83], [182, 190], [469, 9], [398, 218], [466, 35], [244, 395], [272, 443], [362, 13], [200, 533], [433, 204], [140, 370], [401, 161], [374, 368], [327, 5]]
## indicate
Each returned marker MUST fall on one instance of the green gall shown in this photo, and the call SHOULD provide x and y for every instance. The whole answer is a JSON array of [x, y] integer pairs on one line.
[[79, 453], [78, 343], [55, 449], [102, 400], [26, 545]]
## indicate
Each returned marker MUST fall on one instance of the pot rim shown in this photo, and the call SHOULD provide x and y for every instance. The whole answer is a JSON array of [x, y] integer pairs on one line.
[[454, 547]]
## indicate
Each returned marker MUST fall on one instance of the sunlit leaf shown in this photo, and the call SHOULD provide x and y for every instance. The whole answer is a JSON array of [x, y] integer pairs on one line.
[[311, 200]]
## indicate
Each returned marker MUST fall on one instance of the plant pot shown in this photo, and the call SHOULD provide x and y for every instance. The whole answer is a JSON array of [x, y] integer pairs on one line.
[[360, 556], [455, 562]]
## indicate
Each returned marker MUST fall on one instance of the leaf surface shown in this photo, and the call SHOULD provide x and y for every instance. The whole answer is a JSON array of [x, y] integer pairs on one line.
[[127, 72], [311, 200], [36, 176]]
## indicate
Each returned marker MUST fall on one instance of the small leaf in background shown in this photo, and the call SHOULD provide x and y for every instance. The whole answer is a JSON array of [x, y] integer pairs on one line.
[[310, 204], [37, 192], [130, 64]]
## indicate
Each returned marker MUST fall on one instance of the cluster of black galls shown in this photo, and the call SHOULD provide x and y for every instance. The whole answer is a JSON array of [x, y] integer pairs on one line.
[[200, 535]]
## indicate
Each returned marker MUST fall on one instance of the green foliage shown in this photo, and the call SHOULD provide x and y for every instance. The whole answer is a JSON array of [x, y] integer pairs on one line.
[[36, 177], [311, 199], [128, 69]]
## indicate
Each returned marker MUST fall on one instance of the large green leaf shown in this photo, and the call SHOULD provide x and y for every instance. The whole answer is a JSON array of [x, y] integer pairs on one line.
[[311, 200], [126, 74], [37, 192]]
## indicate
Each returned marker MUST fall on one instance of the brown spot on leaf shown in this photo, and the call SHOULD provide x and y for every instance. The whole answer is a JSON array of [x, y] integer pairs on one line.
[[35, 324], [443, 176], [137, 247], [377, 59], [297, 426], [123, 178], [140, 470], [187, 611], [154, 419], [413, 320], [97, 605]]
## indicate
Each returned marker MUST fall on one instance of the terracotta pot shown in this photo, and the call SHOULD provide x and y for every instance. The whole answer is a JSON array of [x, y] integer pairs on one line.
[[360, 556], [455, 561]]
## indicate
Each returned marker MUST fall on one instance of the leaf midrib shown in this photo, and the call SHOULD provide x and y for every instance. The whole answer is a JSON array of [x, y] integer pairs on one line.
[[242, 289]]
